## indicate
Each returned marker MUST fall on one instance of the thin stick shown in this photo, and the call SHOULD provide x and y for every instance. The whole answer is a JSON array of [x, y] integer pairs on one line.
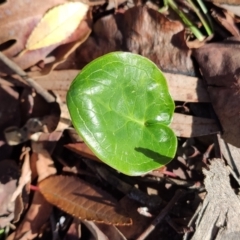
[[161, 215], [15, 68]]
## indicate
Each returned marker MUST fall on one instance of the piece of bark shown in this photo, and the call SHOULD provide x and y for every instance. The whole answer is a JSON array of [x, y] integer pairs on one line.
[[186, 88], [189, 126], [220, 213], [182, 88], [231, 154]]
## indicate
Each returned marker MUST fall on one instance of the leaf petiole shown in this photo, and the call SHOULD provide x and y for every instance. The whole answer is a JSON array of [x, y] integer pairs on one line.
[[186, 20]]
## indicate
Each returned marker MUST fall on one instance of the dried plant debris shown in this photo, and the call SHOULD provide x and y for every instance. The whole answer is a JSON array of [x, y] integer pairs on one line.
[[144, 31], [56, 25], [218, 218], [58, 188], [219, 64], [39, 31], [151, 34], [230, 5], [82, 200]]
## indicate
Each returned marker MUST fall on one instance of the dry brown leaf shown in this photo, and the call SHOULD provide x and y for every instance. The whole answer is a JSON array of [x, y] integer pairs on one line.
[[82, 200], [106, 38], [40, 209], [18, 19], [37, 215], [140, 30], [56, 25], [26, 16], [65, 119], [25, 177], [220, 64], [63, 55], [227, 21], [150, 34], [45, 165], [19, 208]]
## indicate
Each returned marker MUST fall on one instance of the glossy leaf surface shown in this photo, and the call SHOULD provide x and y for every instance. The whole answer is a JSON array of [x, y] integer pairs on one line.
[[121, 107]]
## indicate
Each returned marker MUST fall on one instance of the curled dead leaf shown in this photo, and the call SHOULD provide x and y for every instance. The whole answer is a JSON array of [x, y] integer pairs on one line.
[[37, 214], [150, 34], [144, 31]]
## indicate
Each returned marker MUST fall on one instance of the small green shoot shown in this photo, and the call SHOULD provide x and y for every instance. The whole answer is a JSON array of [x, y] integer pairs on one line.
[[205, 19]]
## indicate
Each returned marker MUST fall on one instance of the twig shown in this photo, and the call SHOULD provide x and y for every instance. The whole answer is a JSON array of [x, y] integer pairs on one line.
[[15, 68], [187, 184], [207, 153], [217, 147], [179, 193]]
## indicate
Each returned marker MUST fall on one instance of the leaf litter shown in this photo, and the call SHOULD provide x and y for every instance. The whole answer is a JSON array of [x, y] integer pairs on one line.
[[203, 82]]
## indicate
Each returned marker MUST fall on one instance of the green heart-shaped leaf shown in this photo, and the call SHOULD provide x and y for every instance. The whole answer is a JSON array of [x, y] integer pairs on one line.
[[121, 107]]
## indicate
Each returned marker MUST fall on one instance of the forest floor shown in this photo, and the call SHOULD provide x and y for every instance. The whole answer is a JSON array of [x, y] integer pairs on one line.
[[53, 185]]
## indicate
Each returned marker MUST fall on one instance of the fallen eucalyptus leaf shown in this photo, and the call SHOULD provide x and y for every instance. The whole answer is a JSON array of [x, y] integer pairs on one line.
[[56, 25]]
